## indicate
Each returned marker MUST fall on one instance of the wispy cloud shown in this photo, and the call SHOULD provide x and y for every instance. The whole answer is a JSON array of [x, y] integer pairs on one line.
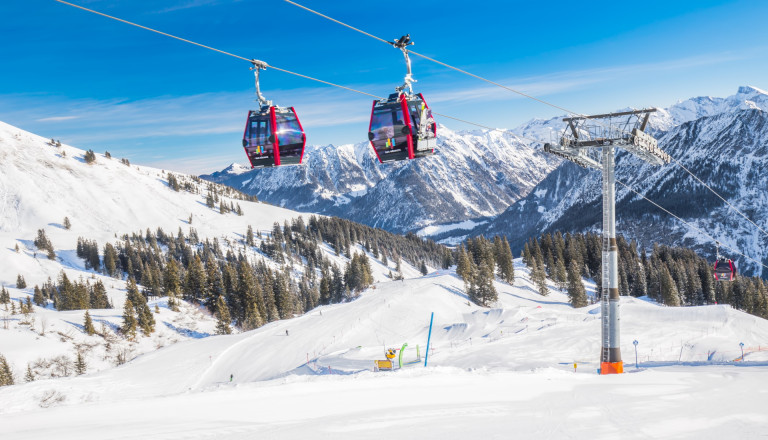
[[189, 4], [57, 119], [560, 82]]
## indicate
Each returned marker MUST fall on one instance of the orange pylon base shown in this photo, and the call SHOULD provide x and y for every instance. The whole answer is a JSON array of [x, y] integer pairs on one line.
[[611, 367]]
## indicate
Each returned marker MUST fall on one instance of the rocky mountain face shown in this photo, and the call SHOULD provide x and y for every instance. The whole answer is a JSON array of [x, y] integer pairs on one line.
[[724, 141], [473, 175]]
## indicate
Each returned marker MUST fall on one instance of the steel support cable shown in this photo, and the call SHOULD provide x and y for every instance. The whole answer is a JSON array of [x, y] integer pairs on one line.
[[719, 196], [521, 94], [152, 30], [278, 68], [213, 48], [436, 61], [735, 251], [337, 21]]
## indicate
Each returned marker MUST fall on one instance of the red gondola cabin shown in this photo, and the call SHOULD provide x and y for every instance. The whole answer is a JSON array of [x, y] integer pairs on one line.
[[274, 137], [725, 270], [402, 128]]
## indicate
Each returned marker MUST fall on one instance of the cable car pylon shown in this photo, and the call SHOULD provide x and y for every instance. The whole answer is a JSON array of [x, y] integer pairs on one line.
[[579, 136]]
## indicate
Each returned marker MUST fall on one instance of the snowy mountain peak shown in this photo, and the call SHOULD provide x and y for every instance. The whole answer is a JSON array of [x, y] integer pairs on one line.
[[751, 90], [747, 97], [236, 168], [474, 174]]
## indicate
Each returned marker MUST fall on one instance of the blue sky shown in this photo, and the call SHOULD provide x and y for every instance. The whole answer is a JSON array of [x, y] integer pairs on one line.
[[103, 85]]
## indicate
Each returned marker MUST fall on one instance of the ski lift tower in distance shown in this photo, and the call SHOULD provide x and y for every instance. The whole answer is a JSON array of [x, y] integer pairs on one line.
[[605, 133]]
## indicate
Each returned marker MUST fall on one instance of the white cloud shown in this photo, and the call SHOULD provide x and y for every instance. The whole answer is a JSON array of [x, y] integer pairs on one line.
[[57, 119]]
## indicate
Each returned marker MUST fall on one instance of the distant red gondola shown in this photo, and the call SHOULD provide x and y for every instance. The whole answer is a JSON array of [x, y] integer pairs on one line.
[[725, 270]]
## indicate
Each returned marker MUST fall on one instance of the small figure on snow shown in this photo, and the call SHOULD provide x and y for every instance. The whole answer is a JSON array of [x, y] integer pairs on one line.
[[231, 376], [286, 332]]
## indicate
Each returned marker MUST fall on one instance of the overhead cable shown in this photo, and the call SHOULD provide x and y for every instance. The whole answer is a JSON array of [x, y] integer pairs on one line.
[[735, 251], [521, 94]]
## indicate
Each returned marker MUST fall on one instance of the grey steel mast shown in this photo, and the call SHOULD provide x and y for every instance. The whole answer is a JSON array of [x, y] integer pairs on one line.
[[581, 135]]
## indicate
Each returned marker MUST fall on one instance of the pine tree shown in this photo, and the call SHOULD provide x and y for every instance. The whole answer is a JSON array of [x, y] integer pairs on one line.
[[129, 321], [561, 275], [463, 264], [80, 365], [28, 306], [223, 319], [283, 297], [485, 291], [251, 296], [195, 282], [249, 236], [89, 157], [669, 292], [21, 283], [268, 300], [99, 298], [146, 321], [110, 260], [539, 277], [30, 376], [526, 255], [67, 223], [6, 375], [576, 292], [38, 298], [88, 325], [172, 284], [423, 268], [5, 297], [504, 260]]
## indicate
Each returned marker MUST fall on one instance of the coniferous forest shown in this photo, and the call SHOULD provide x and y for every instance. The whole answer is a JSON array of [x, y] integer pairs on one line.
[[293, 275], [670, 275]]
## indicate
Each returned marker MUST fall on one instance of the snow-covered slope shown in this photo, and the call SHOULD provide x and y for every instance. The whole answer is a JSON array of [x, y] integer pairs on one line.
[[40, 185], [473, 175], [504, 369]]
